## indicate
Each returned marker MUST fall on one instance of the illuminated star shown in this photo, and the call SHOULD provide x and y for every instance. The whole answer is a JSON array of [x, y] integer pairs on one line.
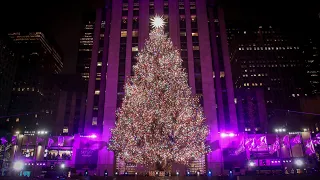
[[157, 22]]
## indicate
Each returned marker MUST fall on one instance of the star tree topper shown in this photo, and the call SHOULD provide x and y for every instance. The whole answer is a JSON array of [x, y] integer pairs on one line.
[[157, 22]]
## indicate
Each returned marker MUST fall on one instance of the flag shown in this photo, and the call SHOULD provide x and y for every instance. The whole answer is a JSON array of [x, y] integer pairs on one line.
[[262, 141], [50, 142], [275, 146], [296, 140], [14, 140], [315, 141], [240, 149], [60, 140], [309, 147], [286, 140], [250, 144], [3, 140], [39, 140]]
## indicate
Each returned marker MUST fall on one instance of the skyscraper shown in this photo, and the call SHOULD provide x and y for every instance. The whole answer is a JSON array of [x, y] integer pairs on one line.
[[71, 105], [119, 31], [8, 66], [34, 95], [268, 59]]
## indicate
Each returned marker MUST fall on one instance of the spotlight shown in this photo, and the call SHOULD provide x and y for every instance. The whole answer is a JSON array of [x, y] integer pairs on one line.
[[18, 165], [105, 173], [188, 173], [177, 173], [298, 162], [116, 173], [198, 173], [251, 164], [86, 173], [209, 173], [62, 166], [136, 173], [126, 173]]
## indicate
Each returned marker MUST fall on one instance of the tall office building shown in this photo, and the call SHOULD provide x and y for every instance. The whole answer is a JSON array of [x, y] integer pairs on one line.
[[34, 95], [8, 65], [71, 105], [268, 59], [119, 31]]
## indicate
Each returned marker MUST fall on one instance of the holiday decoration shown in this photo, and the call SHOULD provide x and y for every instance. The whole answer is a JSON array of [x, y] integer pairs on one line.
[[160, 121]]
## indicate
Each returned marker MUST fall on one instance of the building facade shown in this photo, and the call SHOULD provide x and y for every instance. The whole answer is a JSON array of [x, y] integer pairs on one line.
[[71, 105], [251, 110], [268, 59], [115, 34], [50, 156], [34, 95], [8, 66]]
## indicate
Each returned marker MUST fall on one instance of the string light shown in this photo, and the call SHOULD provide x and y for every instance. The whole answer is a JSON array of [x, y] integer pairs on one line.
[[160, 121]]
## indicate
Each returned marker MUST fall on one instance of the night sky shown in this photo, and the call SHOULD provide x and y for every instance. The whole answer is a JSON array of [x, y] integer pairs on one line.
[[61, 19]]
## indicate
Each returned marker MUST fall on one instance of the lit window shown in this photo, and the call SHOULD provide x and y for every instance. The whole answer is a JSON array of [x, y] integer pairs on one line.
[[222, 74], [195, 47], [195, 34], [183, 33], [193, 18], [135, 49], [123, 33], [98, 79], [65, 130], [99, 64], [135, 34], [95, 108], [17, 119], [94, 121], [235, 100], [97, 92]]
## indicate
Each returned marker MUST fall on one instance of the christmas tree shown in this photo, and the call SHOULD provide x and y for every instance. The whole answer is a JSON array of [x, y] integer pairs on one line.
[[160, 121]]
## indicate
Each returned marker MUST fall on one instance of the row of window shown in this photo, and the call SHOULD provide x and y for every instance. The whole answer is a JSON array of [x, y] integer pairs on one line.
[[267, 48]]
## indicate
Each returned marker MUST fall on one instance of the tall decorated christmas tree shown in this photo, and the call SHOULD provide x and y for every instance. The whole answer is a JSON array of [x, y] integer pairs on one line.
[[160, 121]]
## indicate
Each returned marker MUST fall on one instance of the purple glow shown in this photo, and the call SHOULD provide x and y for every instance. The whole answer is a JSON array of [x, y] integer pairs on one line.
[[223, 135], [93, 136]]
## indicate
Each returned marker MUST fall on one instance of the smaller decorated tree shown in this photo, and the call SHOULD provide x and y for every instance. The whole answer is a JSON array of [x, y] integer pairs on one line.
[[160, 121]]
